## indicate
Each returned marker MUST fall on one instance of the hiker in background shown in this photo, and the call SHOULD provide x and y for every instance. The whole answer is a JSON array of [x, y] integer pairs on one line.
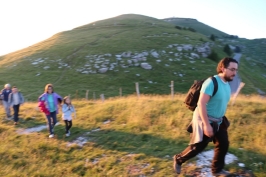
[[4, 96], [15, 100], [209, 122], [52, 101], [67, 110]]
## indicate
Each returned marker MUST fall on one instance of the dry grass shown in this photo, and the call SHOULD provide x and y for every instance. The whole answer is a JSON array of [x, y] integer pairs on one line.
[[150, 128]]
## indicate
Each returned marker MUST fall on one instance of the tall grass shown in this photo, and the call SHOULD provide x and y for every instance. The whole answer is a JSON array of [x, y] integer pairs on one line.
[[140, 139]]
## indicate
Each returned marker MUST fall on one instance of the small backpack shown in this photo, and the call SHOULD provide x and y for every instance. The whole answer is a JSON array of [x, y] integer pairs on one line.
[[193, 94]]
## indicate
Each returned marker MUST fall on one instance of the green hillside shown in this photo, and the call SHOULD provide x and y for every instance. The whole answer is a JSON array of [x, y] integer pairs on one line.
[[73, 60], [195, 24], [252, 63], [255, 63]]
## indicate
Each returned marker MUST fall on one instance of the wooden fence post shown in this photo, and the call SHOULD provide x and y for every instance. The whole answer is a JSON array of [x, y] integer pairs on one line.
[[120, 92], [137, 89], [87, 95], [102, 97], [172, 89], [77, 92], [94, 96]]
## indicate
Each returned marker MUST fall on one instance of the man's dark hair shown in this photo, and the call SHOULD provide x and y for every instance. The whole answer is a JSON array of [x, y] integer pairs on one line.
[[224, 63], [14, 87]]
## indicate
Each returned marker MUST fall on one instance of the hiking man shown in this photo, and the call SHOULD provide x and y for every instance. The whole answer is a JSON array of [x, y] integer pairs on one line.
[[4, 96], [209, 122]]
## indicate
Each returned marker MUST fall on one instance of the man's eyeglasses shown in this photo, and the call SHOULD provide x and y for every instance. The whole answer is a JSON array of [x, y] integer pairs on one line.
[[233, 69]]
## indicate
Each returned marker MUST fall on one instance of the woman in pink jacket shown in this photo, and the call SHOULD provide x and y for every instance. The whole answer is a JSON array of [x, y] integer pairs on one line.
[[52, 102]]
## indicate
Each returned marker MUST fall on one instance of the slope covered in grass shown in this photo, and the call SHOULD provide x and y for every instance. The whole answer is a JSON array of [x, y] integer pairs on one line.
[[62, 58], [195, 24], [72, 60]]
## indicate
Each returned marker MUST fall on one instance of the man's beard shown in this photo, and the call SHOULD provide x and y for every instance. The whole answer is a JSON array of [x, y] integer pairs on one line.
[[228, 79]]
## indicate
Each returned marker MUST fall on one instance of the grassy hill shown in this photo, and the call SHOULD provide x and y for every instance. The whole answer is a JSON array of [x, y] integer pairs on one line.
[[68, 51], [252, 63], [71, 60], [195, 24], [127, 136]]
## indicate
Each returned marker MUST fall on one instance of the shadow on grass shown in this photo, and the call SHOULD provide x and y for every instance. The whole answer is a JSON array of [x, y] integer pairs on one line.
[[24, 123], [145, 144], [127, 142], [114, 140], [155, 146]]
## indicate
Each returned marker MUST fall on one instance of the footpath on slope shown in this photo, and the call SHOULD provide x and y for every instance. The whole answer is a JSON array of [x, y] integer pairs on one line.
[[201, 166]]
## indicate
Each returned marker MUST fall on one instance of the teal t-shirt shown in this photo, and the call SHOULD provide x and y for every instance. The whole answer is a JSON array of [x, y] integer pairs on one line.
[[50, 101], [217, 105]]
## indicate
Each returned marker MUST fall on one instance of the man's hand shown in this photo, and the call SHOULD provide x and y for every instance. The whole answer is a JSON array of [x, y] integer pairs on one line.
[[208, 130]]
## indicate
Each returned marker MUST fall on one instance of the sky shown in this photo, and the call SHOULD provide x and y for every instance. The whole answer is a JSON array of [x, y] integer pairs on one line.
[[26, 22]]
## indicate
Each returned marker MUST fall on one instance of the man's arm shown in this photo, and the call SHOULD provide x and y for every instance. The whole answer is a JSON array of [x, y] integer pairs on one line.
[[203, 100]]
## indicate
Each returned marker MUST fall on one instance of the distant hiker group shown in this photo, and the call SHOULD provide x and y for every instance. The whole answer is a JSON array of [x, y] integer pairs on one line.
[[11, 98], [48, 103]]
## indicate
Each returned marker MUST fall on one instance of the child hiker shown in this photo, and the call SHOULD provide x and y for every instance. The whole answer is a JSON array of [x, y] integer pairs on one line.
[[67, 110]]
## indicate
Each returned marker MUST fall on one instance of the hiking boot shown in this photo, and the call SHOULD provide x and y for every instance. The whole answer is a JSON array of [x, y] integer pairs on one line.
[[15, 123], [176, 165], [222, 173], [9, 117], [57, 123], [51, 135]]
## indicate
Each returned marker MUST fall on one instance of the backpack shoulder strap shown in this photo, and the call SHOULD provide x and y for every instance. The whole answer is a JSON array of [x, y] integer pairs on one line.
[[214, 80]]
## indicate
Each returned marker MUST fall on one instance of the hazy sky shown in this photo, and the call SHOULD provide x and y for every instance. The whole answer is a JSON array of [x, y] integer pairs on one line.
[[26, 22]]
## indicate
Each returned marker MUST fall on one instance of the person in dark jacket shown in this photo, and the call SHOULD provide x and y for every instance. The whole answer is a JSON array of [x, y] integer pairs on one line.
[[4, 96], [15, 100]]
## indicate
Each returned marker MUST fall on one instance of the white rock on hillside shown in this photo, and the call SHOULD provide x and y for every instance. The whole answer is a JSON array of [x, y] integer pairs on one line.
[[85, 72], [145, 54], [179, 49], [187, 47], [129, 61], [108, 55], [194, 55], [103, 70], [146, 66], [126, 54], [155, 54]]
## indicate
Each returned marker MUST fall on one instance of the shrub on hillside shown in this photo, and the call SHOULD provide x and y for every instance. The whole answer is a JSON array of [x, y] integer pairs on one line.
[[212, 37], [202, 40], [237, 49], [191, 29], [213, 56], [231, 36], [227, 50], [178, 27]]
